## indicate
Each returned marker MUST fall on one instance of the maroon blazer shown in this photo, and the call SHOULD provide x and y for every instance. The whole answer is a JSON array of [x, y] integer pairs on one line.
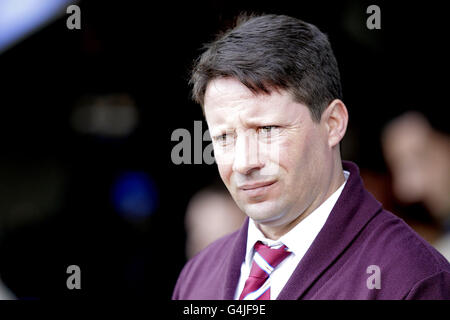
[[358, 234]]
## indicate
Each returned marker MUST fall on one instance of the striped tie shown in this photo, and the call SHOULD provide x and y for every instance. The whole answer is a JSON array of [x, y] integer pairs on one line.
[[265, 260]]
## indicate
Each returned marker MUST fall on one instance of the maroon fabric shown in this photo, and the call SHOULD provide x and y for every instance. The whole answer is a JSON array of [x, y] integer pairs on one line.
[[358, 234]]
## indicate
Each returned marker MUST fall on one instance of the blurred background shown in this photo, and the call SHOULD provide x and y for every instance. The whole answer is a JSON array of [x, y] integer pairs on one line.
[[87, 116]]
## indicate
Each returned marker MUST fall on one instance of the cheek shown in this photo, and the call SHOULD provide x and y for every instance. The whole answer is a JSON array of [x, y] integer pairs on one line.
[[223, 160], [225, 170], [224, 174], [292, 152], [300, 156]]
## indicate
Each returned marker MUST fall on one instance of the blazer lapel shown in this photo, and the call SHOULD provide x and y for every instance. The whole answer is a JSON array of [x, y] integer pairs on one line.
[[353, 210], [232, 270]]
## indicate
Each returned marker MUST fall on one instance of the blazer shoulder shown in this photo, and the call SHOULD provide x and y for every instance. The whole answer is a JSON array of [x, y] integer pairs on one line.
[[213, 251], [204, 263], [405, 258], [397, 235], [434, 287]]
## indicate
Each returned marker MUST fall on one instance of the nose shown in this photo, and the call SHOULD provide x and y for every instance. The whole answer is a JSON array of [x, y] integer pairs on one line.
[[246, 155]]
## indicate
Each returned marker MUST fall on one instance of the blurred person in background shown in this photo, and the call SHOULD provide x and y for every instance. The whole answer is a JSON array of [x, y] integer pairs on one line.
[[419, 160], [271, 93], [211, 214]]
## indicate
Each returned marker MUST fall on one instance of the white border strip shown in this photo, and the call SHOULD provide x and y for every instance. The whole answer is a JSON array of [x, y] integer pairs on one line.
[[257, 293], [262, 263]]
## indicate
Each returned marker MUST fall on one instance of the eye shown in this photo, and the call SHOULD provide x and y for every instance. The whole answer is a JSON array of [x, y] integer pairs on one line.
[[267, 129], [223, 139]]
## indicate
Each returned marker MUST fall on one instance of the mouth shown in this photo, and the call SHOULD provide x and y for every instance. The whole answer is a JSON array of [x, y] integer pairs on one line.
[[257, 185], [257, 189]]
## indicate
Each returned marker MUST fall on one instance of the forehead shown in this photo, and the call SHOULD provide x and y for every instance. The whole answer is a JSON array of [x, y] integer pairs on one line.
[[227, 99], [220, 89]]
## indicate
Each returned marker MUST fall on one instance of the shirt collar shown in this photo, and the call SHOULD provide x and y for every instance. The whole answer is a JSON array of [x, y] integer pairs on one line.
[[298, 239]]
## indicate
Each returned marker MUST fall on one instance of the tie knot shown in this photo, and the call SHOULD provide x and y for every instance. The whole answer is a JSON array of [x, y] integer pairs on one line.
[[268, 258], [265, 260]]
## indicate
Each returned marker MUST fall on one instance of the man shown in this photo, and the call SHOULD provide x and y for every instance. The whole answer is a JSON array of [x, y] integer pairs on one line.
[[271, 95]]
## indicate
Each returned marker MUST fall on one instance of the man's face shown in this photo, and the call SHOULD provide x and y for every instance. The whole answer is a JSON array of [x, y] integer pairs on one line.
[[273, 158]]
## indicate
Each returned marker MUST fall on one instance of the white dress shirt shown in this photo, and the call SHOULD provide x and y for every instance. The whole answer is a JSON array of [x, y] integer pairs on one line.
[[298, 240]]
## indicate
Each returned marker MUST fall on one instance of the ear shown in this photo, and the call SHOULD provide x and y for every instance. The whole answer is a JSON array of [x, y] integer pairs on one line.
[[335, 120]]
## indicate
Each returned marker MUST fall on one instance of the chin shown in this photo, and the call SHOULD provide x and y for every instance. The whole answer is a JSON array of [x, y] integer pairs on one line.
[[263, 212]]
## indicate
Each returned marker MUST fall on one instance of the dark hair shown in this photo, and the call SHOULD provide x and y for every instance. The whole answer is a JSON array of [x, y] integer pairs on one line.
[[272, 52]]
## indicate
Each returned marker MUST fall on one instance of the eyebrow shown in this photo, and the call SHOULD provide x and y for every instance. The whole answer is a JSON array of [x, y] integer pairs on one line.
[[259, 121]]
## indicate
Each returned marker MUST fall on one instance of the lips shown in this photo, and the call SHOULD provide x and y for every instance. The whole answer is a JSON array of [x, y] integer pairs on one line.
[[257, 191], [254, 186]]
